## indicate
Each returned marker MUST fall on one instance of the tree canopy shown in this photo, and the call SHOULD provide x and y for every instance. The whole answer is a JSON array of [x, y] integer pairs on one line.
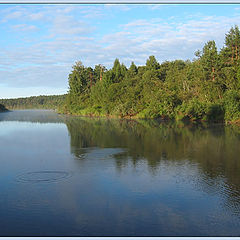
[[207, 88], [39, 102]]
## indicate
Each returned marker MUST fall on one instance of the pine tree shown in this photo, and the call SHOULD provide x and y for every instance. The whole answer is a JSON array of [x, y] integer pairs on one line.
[[210, 60]]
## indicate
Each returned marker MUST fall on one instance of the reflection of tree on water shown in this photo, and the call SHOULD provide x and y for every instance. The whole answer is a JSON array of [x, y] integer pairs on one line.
[[214, 150]]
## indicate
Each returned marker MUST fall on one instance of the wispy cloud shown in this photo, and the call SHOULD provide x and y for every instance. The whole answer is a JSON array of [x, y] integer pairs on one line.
[[69, 33], [24, 27]]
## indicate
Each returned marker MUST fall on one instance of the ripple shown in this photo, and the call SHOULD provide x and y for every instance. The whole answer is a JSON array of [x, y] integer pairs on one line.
[[44, 176]]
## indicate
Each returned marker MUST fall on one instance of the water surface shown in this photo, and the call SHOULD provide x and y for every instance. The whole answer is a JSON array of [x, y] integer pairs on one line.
[[72, 176]]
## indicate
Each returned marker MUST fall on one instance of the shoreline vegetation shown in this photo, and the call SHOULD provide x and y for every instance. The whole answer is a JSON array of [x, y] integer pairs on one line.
[[35, 102], [3, 108], [206, 89]]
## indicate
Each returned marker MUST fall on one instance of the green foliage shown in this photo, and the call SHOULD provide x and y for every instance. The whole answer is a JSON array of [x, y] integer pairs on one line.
[[209, 60], [205, 89], [195, 111], [192, 110], [232, 105], [2, 108], [39, 102], [133, 70], [152, 63], [215, 112]]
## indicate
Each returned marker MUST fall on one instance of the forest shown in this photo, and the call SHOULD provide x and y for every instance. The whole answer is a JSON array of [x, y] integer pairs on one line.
[[204, 89], [35, 102]]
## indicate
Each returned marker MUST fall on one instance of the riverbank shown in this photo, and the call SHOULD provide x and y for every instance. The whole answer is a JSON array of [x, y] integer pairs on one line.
[[90, 113], [3, 108]]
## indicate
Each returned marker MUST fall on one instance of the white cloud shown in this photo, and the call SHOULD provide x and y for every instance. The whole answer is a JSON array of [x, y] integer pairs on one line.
[[24, 27], [14, 15], [176, 40], [68, 26], [36, 16], [70, 35]]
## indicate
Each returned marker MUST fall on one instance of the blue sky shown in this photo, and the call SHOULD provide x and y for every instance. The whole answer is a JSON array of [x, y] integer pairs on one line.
[[40, 43]]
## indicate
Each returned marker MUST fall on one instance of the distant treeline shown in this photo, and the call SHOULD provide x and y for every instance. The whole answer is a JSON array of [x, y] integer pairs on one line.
[[39, 102], [2, 108], [207, 88]]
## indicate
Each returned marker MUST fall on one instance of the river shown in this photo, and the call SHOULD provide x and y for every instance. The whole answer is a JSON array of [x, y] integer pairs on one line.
[[74, 176]]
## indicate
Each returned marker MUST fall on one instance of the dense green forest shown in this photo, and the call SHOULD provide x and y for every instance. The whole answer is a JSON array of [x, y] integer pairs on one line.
[[2, 108], [38, 102], [206, 88]]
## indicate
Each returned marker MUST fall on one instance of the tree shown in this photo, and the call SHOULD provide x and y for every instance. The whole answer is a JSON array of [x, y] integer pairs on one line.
[[133, 70], [199, 89], [98, 72], [232, 45], [152, 63], [210, 60], [116, 70], [77, 79]]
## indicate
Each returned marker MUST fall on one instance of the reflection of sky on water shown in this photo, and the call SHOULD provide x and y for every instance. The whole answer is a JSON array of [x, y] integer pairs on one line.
[[117, 188]]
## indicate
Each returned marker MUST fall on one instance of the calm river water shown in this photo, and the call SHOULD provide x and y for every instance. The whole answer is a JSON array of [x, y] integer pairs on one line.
[[72, 176]]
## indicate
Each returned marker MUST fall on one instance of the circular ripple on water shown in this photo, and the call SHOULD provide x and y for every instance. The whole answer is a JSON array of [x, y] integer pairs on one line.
[[44, 176]]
